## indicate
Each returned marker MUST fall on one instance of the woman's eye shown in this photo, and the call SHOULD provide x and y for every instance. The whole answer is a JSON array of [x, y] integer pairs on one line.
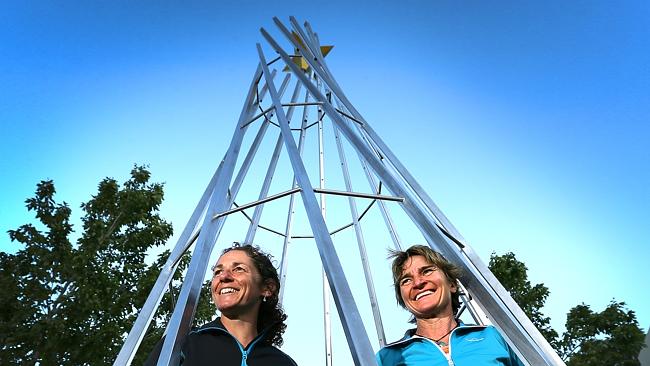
[[216, 273], [429, 271], [239, 269], [405, 281]]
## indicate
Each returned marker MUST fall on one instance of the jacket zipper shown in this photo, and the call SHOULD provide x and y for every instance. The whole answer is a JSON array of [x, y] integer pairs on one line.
[[450, 362], [244, 353]]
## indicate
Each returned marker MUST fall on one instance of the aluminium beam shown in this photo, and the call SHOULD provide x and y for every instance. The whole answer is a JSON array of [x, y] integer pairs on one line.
[[374, 305], [388, 220], [353, 327], [517, 328], [327, 317], [134, 338], [498, 300], [256, 142], [380, 197], [257, 214], [320, 68], [255, 203], [222, 198], [412, 207], [284, 262], [139, 328], [183, 314]]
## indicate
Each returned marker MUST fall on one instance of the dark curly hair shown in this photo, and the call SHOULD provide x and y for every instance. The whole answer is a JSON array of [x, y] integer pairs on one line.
[[271, 317]]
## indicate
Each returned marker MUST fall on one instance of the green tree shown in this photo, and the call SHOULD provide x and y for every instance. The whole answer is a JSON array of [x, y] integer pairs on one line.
[[513, 275], [609, 338], [73, 304]]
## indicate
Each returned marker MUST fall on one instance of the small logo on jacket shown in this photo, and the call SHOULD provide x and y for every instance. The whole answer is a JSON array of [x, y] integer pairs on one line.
[[474, 339]]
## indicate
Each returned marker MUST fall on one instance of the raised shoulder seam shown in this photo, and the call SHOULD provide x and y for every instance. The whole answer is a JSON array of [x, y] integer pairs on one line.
[[202, 330]]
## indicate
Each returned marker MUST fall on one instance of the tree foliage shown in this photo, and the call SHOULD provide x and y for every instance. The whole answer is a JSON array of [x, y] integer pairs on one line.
[[73, 304], [611, 337], [513, 275]]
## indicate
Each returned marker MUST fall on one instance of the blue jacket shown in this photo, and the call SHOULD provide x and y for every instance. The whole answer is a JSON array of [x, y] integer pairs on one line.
[[468, 346]]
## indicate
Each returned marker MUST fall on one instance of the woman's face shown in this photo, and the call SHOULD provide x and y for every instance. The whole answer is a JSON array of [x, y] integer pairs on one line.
[[425, 289], [237, 286]]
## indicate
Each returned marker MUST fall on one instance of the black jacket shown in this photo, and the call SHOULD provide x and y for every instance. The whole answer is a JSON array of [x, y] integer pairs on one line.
[[212, 345]]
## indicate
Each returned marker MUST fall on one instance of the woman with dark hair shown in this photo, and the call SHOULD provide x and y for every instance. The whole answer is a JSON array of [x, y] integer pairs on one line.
[[426, 284], [245, 287]]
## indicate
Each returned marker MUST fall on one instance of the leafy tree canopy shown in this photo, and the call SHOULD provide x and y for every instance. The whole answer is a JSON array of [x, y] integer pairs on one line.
[[73, 304], [611, 337], [513, 275]]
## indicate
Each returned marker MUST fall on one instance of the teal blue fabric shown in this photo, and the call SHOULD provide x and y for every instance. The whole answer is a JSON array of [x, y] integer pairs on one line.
[[469, 346]]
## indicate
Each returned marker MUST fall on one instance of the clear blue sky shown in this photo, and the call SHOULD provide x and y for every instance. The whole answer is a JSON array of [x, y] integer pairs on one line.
[[527, 123]]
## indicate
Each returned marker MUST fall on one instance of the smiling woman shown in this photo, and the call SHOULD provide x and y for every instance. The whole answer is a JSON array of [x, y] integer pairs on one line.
[[245, 288], [426, 284]]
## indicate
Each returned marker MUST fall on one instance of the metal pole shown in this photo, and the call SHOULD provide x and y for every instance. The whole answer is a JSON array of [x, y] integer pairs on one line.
[[388, 220], [284, 263], [139, 328], [517, 328], [320, 68], [184, 310], [378, 197], [257, 214], [360, 347], [256, 143], [256, 203], [476, 312], [327, 318], [533, 344], [361, 243]]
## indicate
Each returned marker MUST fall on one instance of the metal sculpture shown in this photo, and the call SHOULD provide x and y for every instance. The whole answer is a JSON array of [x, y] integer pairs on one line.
[[485, 299]]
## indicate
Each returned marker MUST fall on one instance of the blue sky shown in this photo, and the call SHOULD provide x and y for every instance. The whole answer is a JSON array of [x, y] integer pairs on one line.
[[527, 123]]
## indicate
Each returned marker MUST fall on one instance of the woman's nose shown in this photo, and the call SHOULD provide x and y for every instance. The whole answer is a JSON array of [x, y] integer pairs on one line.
[[224, 275], [418, 281]]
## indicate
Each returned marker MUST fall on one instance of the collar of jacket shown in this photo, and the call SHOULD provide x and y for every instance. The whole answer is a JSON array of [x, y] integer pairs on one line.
[[410, 336], [217, 325]]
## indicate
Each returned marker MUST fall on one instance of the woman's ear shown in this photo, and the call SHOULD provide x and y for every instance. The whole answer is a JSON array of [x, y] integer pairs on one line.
[[269, 288]]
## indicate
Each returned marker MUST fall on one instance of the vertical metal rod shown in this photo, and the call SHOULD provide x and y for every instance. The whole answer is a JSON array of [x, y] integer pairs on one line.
[[320, 68], [153, 300], [257, 214], [308, 50], [360, 242], [388, 220], [255, 145], [517, 328], [284, 263], [255, 220], [476, 312], [183, 314], [360, 348], [314, 49], [382, 205], [533, 344], [327, 319], [139, 328], [229, 197]]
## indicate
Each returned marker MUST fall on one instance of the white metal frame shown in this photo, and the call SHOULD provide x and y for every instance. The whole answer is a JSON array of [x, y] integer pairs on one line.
[[484, 298]]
